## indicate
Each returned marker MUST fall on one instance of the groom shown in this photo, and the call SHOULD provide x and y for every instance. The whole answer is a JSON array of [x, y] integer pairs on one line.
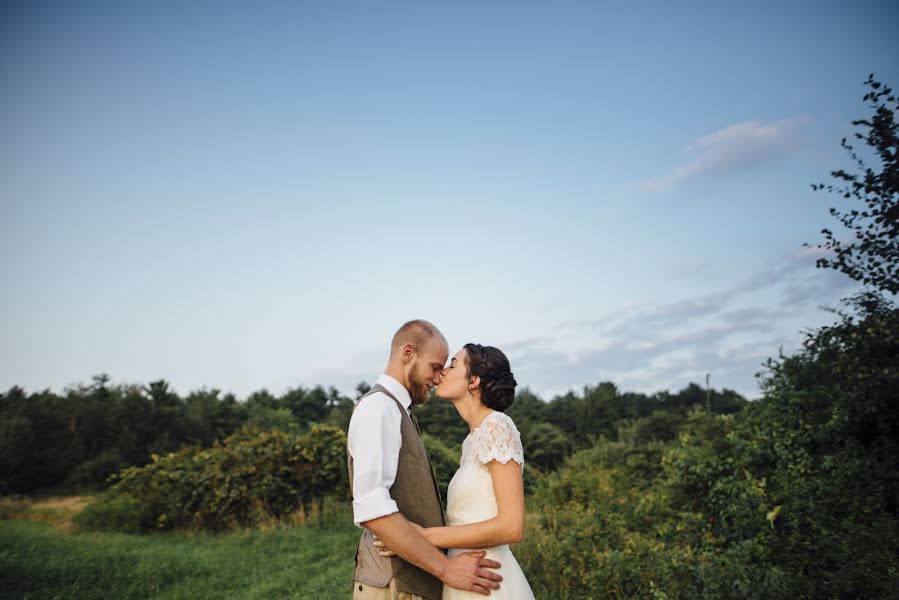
[[392, 482]]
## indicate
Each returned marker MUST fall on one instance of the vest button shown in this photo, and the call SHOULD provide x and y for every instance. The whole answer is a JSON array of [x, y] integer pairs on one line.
[[360, 588]]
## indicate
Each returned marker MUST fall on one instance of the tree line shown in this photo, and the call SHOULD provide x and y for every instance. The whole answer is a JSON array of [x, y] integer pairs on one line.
[[76, 440], [79, 438]]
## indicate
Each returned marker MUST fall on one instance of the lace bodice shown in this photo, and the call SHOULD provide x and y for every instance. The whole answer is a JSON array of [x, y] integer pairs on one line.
[[470, 495]]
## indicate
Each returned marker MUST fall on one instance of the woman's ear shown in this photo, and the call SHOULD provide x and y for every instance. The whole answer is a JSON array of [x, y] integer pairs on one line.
[[474, 383]]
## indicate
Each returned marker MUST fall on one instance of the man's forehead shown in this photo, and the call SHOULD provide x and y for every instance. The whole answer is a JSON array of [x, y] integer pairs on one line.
[[436, 349]]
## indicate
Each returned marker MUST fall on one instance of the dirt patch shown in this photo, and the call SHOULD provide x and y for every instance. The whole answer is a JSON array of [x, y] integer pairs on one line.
[[58, 511], [71, 503]]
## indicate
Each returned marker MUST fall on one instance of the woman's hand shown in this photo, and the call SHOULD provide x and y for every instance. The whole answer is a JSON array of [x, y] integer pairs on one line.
[[387, 552], [384, 550]]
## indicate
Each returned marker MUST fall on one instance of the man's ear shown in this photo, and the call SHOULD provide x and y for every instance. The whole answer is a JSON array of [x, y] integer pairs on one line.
[[474, 383], [408, 353]]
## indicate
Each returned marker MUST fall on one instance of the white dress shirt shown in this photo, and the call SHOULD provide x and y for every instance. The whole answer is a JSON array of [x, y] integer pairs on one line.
[[374, 442]]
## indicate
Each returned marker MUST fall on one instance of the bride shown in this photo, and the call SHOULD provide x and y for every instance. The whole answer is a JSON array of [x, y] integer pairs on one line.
[[485, 499]]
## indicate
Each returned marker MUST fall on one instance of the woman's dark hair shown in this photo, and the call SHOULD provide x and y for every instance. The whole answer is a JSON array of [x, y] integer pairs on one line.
[[497, 382]]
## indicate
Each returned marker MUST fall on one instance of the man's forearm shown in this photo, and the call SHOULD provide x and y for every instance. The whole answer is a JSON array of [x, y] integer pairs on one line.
[[398, 535]]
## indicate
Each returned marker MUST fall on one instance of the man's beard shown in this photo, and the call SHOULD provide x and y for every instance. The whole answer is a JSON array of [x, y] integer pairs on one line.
[[419, 387]]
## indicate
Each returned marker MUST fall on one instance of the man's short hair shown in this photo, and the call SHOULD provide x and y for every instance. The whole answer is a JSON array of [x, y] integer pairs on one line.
[[417, 332]]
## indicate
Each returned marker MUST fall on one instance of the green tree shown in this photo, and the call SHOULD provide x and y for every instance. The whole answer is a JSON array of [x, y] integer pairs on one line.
[[872, 255], [168, 412], [545, 446], [439, 418], [527, 408], [307, 406], [274, 418], [204, 414], [361, 389], [444, 459], [17, 441], [824, 438]]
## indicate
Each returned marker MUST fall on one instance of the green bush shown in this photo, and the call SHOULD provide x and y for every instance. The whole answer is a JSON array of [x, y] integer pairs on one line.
[[629, 519], [115, 512], [253, 477], [826, 441], [444, 459]]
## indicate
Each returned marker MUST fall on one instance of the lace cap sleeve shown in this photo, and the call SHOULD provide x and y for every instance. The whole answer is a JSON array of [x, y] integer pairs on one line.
[[499, 440]]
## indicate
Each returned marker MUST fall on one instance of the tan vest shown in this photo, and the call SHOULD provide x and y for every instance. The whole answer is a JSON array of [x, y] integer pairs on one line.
[[416, 495]]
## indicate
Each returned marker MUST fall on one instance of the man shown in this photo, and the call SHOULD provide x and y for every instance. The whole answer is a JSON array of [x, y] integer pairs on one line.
[[392, 481]]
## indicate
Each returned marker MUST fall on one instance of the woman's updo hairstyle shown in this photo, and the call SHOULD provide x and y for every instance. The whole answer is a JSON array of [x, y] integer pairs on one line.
[[497, 382]]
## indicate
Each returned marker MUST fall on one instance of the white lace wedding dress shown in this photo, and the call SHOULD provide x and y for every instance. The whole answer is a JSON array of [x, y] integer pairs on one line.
[[470, 499]]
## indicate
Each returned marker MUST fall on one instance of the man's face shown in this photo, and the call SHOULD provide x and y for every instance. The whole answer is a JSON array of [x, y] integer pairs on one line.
[[425, 369]]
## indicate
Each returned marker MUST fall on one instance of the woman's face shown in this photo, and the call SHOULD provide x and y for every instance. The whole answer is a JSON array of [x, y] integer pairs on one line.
[[454, 378]]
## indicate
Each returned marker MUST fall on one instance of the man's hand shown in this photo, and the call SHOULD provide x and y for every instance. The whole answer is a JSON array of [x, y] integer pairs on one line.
[[468, 571], [471, 571]]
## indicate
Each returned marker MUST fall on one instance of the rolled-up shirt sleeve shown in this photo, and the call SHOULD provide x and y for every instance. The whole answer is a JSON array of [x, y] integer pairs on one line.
[[374, 441]]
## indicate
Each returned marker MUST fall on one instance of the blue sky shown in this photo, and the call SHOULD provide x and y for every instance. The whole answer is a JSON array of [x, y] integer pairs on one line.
[[248, 195]]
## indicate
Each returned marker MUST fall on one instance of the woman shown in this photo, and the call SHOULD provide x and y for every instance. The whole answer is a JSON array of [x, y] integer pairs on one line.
[[485, 499]]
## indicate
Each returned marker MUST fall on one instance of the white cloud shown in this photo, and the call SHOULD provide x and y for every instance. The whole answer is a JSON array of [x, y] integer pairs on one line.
[[735, 147]]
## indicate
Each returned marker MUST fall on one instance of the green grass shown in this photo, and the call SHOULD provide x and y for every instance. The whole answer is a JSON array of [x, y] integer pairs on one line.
[[39, 561]]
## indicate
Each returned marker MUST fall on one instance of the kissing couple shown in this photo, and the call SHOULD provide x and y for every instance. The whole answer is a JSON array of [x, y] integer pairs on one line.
[[408, 550]]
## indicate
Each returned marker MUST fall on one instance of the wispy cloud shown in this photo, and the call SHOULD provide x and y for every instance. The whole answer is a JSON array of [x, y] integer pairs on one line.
[[728, 333], [732, 148]]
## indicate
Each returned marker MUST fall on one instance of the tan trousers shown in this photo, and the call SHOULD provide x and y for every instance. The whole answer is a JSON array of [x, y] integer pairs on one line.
[[362, 591]]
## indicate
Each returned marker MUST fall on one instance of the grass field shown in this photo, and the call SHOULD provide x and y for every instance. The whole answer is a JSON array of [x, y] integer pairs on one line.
[[46, 559]]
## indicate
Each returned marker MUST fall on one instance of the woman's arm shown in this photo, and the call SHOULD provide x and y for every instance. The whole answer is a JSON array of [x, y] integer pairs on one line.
[[507, 527]]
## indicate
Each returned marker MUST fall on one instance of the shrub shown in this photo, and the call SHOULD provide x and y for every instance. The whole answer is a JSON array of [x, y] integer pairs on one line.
[[634, 518], [115, 512], [444, 459], [96, 470], [253, 477]]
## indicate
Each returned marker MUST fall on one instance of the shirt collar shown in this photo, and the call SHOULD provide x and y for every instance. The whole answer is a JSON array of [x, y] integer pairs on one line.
[[396, 388]]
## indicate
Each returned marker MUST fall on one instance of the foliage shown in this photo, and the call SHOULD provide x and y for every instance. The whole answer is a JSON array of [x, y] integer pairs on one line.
[[439, 419], [545, 445], [253, 477], [830, 430], [872, 255], [794, 496], [551, 430], [77, 440], [444, 460], [635, 518]]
